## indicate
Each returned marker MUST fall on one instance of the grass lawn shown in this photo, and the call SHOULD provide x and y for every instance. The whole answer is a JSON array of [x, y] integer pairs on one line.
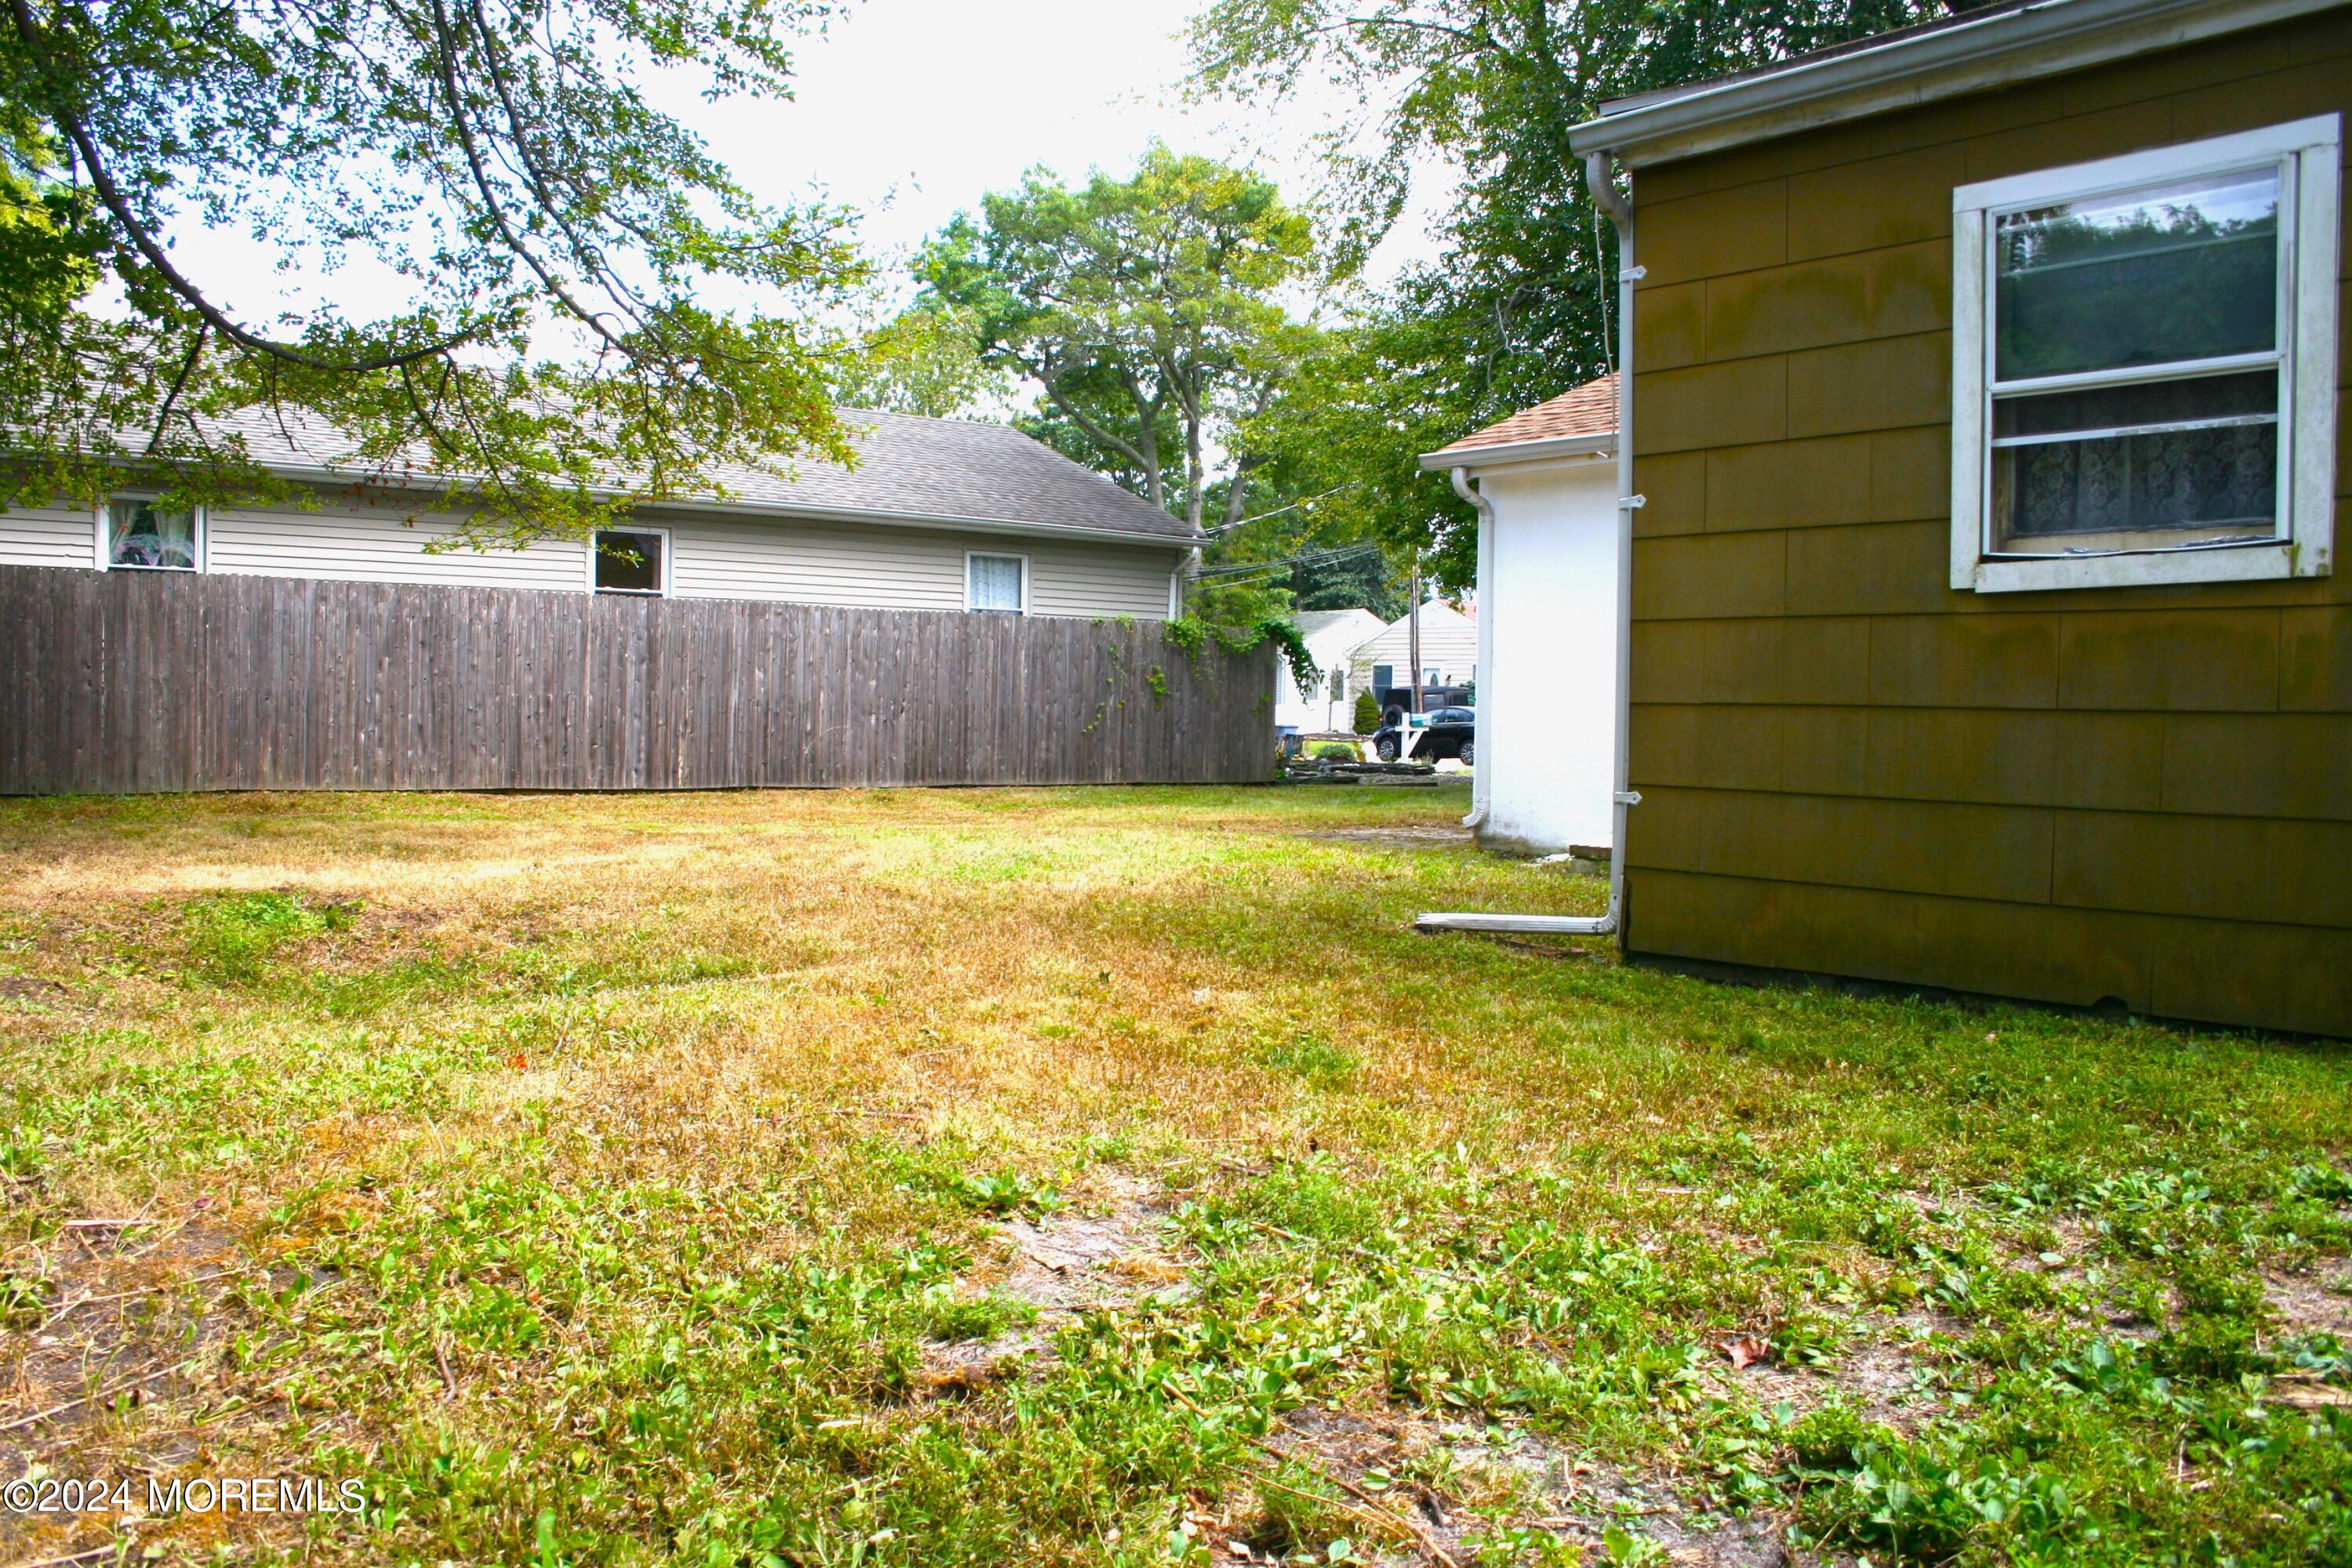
[[1097, 1177]]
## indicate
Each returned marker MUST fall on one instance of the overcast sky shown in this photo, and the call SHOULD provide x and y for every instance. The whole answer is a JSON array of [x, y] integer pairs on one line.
[[912, 110]]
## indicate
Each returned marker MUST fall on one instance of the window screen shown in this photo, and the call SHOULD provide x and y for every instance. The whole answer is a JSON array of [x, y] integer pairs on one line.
[[2137, 368], [996, 584], [629, 562], [138, 534]]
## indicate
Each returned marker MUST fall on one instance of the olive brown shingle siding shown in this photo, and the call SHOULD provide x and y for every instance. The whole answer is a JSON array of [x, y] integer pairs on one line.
[[1846, 766]]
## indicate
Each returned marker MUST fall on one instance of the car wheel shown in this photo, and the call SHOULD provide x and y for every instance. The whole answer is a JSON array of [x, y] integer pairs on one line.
[[1469, 753], [1385, 748]]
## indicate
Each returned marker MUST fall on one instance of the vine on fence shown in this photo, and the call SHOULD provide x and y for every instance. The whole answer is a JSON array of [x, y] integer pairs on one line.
[[1194, 636]]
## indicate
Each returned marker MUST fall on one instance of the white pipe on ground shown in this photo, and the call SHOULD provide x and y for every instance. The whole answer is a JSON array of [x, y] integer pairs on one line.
[[1597, 180]]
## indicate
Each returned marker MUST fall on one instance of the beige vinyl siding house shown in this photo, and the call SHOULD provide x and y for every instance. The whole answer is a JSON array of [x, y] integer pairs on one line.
[[960, 605], [898, 533], [1449, 651], [49, 536], [885, 568]]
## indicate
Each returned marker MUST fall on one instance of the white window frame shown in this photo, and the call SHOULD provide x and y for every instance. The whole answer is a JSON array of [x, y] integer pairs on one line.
[[101, 546], [971, 555], [669, 561], [2308, 155]]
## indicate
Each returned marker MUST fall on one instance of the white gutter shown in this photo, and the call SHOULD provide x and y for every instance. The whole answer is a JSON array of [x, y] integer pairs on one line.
[[1939, 62], [1621, 213], [1507, 453], [1481, 789]]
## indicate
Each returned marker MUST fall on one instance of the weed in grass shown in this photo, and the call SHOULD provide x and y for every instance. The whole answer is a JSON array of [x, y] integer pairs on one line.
[[1311, 1058], [231, 936]]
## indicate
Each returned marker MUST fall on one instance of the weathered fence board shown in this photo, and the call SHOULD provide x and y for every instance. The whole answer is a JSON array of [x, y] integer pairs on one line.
[[123, 681]]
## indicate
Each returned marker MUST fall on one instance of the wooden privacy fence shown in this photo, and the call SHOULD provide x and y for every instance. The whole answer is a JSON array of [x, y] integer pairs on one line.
[[114, 681]]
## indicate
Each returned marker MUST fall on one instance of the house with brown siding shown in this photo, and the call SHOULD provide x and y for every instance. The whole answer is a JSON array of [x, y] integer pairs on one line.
[[1991, 622]]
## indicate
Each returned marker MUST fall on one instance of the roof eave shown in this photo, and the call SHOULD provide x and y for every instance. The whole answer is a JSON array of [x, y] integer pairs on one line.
[[1991, 51], [951, 522], [1512, 454]]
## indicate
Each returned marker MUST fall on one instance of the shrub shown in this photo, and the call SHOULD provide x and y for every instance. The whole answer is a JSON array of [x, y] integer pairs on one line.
[[1338, 749], [1367, 714]]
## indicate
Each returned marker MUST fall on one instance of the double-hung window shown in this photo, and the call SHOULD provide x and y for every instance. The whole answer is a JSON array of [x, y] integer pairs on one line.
[[134, 532], [996, 584], [2144, 366]]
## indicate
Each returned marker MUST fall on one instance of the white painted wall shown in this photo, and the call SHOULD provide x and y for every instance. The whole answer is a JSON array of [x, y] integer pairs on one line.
[[1546, 709], [878, 566], [1330, 647]]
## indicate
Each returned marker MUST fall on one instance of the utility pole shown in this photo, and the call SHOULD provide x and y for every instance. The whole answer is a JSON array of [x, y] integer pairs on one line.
[[1412, 637]]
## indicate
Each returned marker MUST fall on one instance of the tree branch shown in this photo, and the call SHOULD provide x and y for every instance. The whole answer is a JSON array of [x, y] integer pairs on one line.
[[102, 182], [171, 398]]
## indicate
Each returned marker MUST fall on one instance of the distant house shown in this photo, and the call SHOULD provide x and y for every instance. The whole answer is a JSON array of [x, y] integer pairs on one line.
[[1987, 627], [964, 606], [1332, 637], [1546, 488], [938, 514], [1449, 653]]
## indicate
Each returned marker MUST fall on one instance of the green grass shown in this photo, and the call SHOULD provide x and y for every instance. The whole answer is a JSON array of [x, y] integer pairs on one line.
[[606, 1180]]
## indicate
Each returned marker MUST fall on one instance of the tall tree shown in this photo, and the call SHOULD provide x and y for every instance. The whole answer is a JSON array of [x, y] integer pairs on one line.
[[1513, 310], [1148, 310], [553, 241], [924, 360]]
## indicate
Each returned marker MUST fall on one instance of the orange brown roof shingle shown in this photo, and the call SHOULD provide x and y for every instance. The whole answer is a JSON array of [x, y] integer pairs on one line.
[[1587, 410]]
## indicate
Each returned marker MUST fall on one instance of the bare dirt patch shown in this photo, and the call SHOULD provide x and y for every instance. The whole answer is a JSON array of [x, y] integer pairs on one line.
[[1106, 1247], [1432, 836], [136, 1316], [1888, 1377], [2317, 1302], [1445, 1485], [1110, 1252], [32, 988]]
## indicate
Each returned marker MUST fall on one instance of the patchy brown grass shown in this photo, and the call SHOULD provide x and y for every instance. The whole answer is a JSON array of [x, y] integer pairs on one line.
[[992, 1175]]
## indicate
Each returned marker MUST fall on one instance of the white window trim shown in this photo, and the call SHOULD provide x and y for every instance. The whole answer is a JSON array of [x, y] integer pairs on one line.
[[102, 539], [669, 561], [1026, 572], [2309, 154]]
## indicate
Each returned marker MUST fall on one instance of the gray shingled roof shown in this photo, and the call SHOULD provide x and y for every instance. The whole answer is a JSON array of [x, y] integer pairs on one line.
[[952, 469]]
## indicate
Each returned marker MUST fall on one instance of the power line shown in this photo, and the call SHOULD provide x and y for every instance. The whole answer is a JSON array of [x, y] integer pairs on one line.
[[1277, 512], [1287, 562]]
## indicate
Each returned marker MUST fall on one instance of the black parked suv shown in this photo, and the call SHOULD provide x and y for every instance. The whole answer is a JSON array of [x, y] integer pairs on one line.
[[1450, 732]]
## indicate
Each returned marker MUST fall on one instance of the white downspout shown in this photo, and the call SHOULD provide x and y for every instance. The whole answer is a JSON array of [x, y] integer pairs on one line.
[[1480, 795], [1597, 180]]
